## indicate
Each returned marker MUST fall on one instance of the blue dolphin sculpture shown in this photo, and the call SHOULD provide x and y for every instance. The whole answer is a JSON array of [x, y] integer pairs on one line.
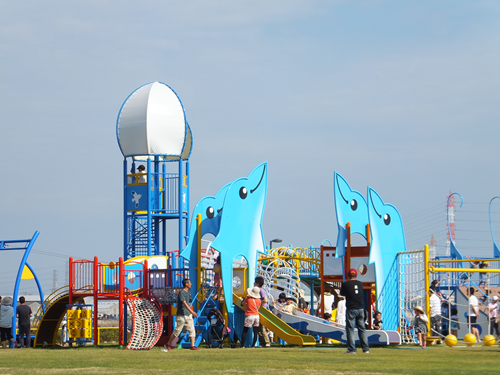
[[210, 209], [350, 206], [240, 231], [388, 239]]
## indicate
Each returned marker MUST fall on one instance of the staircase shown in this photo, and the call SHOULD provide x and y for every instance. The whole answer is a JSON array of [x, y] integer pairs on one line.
[[147, 322], [201, 323]]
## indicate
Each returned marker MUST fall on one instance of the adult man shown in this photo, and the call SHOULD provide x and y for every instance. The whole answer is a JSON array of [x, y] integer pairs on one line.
[[24, 314], [435, 304], [185, 314], [263, 336], [473, 312], [352, 290]]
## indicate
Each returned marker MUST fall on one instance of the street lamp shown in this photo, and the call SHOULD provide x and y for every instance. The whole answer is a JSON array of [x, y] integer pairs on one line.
[[277, 240]]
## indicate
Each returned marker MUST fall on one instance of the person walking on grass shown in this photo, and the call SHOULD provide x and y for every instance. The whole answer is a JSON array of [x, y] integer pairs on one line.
[[420, 325], [184, 317], [352, 290]]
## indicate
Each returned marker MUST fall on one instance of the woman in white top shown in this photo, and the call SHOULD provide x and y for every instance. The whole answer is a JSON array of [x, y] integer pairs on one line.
[[341, 309]]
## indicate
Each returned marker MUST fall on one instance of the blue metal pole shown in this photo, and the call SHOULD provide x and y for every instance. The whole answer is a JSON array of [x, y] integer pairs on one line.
[[164, 207], [179, 208], [125, 234], [18, 279], [187, 198], [40, 291], [148, 197]]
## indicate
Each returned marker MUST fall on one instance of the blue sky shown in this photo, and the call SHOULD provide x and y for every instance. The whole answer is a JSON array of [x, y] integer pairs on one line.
[[402, 96]]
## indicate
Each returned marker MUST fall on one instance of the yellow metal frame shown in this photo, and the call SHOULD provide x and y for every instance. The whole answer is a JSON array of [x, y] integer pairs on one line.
[[427, 286], [301, 258]]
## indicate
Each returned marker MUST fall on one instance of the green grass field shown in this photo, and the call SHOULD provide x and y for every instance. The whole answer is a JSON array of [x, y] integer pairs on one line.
[[275, 360]]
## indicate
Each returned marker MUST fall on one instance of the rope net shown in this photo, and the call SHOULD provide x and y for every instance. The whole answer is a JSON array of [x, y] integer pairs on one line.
[[147, 323], [412, 292]]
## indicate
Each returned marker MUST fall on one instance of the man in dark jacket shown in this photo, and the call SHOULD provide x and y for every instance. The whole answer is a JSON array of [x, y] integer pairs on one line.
[[352, 290]]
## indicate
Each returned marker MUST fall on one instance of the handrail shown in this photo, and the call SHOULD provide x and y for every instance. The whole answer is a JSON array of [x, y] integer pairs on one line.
[[54, 296]]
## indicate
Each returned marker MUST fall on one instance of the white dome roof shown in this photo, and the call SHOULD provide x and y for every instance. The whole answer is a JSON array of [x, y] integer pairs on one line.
[[152, 121]]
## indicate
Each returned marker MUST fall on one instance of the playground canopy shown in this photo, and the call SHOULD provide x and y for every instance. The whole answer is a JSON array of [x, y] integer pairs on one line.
[[152, 121]]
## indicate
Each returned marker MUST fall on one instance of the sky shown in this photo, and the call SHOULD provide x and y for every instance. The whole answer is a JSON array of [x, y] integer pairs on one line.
[[401, 96]]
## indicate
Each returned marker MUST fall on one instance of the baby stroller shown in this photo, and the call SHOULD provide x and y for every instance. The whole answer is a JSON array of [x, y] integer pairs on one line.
[[218, 330]]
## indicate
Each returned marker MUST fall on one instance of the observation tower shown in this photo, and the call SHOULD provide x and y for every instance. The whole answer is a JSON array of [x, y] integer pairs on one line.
[[153, 132]]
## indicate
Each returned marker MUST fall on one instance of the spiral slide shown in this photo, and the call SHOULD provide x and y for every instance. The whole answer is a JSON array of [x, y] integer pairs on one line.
[[279, 327]]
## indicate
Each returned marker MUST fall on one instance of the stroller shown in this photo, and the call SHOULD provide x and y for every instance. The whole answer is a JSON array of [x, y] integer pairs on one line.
[[218, 330]]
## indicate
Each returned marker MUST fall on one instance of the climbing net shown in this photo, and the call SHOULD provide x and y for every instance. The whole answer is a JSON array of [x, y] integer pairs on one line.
[[411, 265], [147, 322]]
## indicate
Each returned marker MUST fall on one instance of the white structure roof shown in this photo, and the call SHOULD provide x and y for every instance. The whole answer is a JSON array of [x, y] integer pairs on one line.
[[152, 121]]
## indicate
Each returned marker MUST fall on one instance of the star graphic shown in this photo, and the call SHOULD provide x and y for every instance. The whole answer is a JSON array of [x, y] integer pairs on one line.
[[136, 198]]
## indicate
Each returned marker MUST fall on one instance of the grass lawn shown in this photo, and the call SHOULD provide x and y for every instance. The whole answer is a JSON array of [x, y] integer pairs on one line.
[[275, 360]]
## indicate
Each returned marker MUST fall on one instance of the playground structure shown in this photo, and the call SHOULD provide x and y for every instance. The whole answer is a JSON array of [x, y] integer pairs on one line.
[[152, 131]]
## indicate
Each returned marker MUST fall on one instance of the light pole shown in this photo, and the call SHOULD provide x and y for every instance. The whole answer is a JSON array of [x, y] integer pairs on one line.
[[277, 240]]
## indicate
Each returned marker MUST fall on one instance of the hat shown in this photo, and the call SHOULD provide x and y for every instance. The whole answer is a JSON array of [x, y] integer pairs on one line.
[[141, 167], [301, 293], [64, 322], [7, 301], [419, 308], [254, 292], [495, 298], [353, 271]]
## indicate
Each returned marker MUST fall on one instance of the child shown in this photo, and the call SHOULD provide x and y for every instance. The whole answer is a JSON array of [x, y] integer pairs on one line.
[[290, 306], [327, 317], [280, 302], [454, 325], [420, 325], [377, 322]]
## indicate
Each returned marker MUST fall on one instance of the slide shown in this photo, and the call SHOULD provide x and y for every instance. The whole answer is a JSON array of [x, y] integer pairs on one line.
[[279, 327], [50, 320], [317, 326]]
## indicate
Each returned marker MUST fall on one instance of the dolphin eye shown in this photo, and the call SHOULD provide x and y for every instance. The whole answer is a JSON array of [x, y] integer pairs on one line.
[[210, 212], [354, 205], [387, 219], [243, 192]]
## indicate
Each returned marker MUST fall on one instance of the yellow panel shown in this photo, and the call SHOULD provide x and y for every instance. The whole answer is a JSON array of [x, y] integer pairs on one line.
[[72, 324], [74, 314], [86, 333], [27, 274], [74, 333], [86, 314]]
